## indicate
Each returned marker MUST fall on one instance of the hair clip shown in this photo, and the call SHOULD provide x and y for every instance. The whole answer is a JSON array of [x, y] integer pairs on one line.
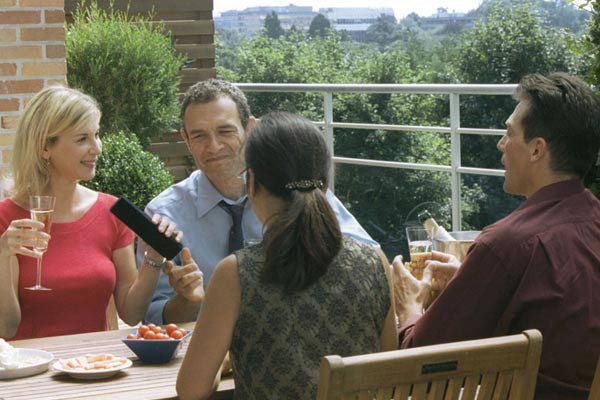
[[304, 185]]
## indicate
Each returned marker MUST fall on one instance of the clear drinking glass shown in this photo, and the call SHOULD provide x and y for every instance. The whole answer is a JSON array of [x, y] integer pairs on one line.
[[41, 209], [420, 244], [419, 247]]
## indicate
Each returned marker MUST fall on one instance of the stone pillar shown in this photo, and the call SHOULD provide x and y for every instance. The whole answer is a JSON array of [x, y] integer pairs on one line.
[[32, 56]]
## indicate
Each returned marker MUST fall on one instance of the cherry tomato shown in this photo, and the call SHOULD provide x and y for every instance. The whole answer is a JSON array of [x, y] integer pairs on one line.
[[150, 335], [171, 327], [132, 336], [176, 334], [155, 329], [142, 329], [162, 336]]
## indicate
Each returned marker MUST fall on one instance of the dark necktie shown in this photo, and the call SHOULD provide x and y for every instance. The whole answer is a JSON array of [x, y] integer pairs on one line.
[[236, 239]]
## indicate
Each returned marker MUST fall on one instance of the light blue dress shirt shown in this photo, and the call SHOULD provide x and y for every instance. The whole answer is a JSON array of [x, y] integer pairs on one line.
[[193, 205]]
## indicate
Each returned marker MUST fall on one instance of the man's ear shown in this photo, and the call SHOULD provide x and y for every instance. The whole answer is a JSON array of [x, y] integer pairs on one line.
[[183, 134], [250, 124], [185, 138], [538, 148]]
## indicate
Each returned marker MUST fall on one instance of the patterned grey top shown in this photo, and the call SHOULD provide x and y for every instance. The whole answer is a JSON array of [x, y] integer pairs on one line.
[[279, 339]]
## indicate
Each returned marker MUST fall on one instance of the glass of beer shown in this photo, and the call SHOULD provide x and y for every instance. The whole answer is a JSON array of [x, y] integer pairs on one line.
[[41, 209]]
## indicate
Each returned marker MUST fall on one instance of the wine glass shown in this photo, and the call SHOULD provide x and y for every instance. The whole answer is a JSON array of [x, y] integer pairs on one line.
[[41, 209], [419, 247]]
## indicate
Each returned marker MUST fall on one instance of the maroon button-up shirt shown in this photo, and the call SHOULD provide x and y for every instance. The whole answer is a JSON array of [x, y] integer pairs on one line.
[[537, 268]]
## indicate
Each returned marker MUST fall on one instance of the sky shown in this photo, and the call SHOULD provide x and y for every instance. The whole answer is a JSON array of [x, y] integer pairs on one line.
[[401, 7]]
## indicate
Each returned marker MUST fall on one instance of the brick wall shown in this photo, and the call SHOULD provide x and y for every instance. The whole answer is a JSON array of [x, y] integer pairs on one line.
[[32, 56]]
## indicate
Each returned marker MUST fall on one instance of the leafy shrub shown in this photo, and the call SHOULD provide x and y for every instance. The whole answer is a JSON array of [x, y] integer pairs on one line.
[[129, 66], [124, 168]]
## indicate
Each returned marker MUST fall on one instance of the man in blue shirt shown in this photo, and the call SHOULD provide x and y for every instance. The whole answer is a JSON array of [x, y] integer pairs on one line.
[[215, 121]]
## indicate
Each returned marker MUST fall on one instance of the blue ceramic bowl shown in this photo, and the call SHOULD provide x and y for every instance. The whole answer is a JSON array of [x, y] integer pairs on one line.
[[155, 351]]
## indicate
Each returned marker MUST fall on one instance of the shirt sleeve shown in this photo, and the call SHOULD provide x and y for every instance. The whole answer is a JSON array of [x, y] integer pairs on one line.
[[348, 224], [470, 306]]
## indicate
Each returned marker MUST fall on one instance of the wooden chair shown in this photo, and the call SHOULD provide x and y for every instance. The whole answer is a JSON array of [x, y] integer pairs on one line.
[[595, 389], [500, 368]]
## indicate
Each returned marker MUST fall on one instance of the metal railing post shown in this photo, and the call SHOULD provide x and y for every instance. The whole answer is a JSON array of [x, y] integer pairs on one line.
[[328, 130], [455, 160]]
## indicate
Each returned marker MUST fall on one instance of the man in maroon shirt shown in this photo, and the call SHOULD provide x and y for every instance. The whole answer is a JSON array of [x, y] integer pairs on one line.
[[539, 267]]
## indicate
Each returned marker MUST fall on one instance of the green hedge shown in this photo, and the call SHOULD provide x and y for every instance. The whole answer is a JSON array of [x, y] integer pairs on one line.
[[124, 168], [130, 66]]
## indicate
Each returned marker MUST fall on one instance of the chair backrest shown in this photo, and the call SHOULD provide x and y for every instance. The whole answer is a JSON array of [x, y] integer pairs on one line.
[[500, 368], [595, 389]]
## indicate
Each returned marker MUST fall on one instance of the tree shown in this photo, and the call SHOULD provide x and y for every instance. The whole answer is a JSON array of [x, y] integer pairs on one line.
[[130, 66], [593, 44], [508, 43], [383, 31], [273, 26], [561, 13], [227, 41], [381, 199], [319, 26]]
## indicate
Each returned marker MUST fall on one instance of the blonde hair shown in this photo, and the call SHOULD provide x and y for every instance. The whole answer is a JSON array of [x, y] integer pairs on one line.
[[50, 113]]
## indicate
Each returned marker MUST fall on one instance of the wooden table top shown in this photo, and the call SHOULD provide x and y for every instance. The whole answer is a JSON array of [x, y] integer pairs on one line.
[[143, 381]]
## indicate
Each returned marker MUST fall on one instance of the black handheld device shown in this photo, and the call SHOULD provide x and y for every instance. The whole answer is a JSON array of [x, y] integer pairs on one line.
[[142, 225]]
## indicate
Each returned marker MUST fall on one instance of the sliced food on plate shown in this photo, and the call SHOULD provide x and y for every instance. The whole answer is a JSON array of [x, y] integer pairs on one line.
[[92, 366]]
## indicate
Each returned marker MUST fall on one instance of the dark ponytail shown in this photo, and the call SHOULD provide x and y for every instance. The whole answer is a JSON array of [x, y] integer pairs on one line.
[[289, 158]]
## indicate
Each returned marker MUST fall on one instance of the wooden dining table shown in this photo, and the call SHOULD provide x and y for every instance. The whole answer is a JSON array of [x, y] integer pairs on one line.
[[140, 381]]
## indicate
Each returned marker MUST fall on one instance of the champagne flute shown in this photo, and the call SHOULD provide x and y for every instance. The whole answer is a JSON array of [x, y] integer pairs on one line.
[[420, 244], [41, 209], [419, 247]]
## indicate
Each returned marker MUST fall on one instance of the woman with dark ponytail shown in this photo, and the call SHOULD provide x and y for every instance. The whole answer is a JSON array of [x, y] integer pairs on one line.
[[305, 292]]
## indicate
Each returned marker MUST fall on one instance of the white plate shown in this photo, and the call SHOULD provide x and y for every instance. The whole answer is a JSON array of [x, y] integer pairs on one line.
[[31, 362], [92, 374]]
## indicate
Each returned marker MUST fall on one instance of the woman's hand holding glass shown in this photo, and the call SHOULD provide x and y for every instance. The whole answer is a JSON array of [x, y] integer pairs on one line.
[[22, 236]]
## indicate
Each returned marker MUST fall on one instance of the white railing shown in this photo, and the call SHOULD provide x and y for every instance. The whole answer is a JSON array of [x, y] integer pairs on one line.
[[454, 130]]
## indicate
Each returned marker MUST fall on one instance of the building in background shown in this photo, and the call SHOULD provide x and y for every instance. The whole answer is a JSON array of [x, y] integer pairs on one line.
[[250, 21], [354, 21], [442, 19]]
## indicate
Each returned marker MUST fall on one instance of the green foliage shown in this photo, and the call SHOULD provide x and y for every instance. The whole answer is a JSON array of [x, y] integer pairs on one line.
[[129, 65], [124, 168], [319, 26], [510, 41], [226, 43], [273, 26], [383, 31], [368, 192], [593, 45]]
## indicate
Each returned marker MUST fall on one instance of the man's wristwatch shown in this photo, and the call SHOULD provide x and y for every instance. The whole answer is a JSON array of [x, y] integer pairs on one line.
[[154, 264]]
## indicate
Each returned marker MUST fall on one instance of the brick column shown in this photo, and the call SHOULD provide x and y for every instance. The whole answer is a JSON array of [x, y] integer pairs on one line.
[[32, 56]]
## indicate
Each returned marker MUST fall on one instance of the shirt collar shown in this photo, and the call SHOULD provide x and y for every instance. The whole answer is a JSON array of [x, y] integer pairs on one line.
[[208, 196], [555, 191]]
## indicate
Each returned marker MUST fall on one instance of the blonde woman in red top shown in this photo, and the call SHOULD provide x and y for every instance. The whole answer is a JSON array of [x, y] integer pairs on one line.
[[90, 253]]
